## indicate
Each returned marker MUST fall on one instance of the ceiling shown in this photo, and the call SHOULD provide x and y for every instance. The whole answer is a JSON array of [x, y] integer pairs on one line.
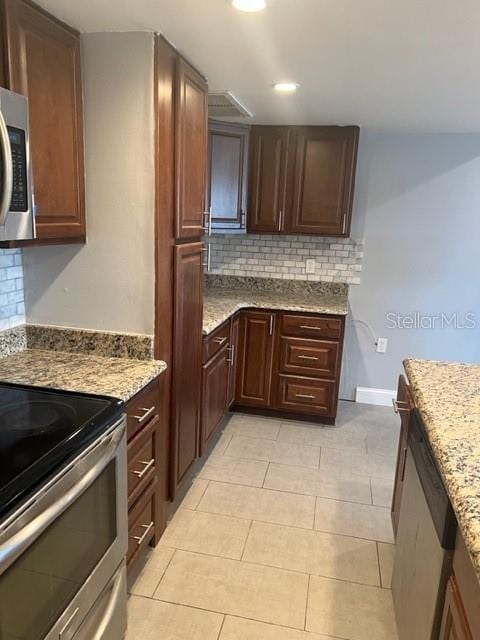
[[403, 65]]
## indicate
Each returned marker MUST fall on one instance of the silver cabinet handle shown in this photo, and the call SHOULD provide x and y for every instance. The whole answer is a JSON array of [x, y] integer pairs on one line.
[[306, 396], [208, 226], [206, 264], [232, 354], [280, 219], [397, 408], [147, 466], [6, 152], [302, 357], [243, 219], [220, 340], [310, 326], [148, 528], [147, 414], [271, 325], [344, 225]]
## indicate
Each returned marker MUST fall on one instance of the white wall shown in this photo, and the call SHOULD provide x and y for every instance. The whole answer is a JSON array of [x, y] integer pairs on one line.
[[109, 283], [417, 205]]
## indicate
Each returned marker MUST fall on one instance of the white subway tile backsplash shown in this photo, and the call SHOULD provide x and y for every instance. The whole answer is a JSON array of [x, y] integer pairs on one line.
[[283, 257], [12, 294]]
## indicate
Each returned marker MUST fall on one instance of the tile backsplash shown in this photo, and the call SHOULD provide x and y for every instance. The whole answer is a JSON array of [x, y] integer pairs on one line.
[[283, 257], [12, 295]]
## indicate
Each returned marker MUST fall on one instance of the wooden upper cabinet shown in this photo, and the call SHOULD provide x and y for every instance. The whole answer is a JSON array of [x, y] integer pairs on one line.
[[42, 61], [324, 180], [269, 174], [190, 151], [254, 373], [227, 174]]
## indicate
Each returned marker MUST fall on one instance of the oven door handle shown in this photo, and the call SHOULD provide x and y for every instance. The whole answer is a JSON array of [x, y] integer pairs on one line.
[[7, 183], [116, 594], [13, 547]]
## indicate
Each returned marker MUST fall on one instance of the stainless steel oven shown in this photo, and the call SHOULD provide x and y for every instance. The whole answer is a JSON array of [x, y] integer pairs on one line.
[[17, 220], [62, 553]]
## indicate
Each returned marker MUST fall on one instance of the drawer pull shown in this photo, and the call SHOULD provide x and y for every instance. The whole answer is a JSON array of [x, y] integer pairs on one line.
[[147, 414], [148, 528], [305, 396], [147, 466], [307, 358], [220, 340], [310, 326], [397, 408]]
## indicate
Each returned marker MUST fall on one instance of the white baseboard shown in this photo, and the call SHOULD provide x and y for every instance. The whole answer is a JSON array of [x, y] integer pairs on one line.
[[369, 395]]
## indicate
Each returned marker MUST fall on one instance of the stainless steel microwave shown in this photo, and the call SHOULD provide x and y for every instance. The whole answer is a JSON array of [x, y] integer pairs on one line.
[[17, 220]]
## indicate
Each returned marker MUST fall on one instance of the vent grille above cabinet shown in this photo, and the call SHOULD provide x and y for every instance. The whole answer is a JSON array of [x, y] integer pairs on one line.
[[222, 104]]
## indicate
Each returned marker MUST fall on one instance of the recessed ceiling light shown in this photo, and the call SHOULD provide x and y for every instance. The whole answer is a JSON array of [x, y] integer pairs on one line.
[[249, 5], [286, 87]]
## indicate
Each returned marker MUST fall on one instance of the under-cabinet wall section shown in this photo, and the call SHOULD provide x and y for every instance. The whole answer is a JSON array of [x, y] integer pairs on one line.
[[12, 296], [271, 256]]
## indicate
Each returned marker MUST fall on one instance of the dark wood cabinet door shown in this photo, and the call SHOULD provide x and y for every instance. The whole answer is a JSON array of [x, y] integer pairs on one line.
[[269, 177], [324, 180], [43, 63], [227, 175], [254, 374], [214, 393], [187, 358], [190, 151], [454, 624], [233, 360], [404, 406]]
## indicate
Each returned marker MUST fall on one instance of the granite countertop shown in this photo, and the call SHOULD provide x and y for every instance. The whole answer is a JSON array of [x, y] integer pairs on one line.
[[219, 304], [118, 377], [447, 396]]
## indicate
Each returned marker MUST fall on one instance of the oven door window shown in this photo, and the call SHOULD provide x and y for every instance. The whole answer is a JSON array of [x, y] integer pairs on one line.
[[37, 588]]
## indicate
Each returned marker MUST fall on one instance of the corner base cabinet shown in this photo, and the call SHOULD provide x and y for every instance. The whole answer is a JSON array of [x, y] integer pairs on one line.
[[290, 363]]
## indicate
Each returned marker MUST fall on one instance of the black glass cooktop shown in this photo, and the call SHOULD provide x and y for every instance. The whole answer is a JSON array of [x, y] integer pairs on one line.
[[40, 429]]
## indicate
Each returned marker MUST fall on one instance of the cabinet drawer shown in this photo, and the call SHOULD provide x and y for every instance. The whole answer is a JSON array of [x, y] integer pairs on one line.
[[215, 341], [141, 523], [142, 462], [142, 408], [306, 395], [311, 326], [318, 358]]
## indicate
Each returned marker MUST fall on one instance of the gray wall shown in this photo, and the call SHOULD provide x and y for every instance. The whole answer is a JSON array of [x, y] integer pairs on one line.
[[417, 205], [108, 283]]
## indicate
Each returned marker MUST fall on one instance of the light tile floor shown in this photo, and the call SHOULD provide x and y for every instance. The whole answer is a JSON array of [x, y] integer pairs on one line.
[[285, 534]]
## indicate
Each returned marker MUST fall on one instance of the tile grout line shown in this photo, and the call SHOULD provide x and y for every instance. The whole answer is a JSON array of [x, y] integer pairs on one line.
[[163, 574], [306, 603], [246, 540], [378, 562], [221, 626]]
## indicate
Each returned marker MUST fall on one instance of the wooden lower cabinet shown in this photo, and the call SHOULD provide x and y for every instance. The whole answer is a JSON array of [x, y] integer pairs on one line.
[[187, 359], [255, 363], [147, 469], [404, 406], [454, 624], [233, 359], [290, 363], [214, 393]]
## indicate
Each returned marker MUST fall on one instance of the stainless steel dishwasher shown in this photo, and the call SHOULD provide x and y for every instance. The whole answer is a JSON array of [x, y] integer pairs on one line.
[[425, 541]]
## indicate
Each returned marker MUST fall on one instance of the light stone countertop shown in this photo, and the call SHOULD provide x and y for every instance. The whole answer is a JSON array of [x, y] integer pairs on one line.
[[121, 378], [447, 396], [219, 304]]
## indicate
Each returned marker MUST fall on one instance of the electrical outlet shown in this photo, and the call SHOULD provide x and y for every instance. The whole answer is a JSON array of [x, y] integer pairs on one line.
[[382, 344], [310, 265]]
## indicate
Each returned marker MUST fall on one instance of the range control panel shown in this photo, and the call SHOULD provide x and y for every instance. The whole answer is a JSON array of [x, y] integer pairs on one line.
[[19, 201]]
